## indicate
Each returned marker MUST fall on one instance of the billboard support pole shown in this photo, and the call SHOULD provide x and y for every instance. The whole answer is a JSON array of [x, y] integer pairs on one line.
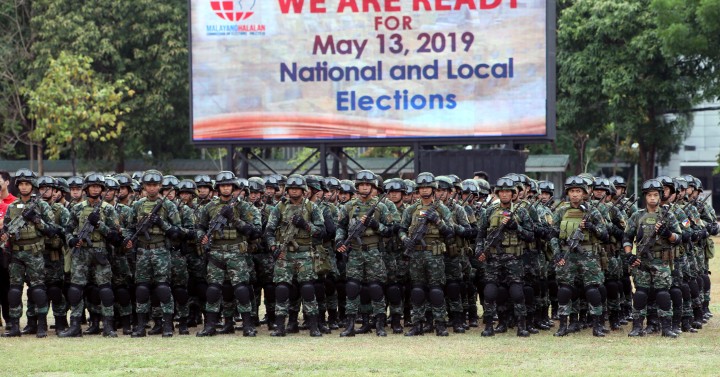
[[416, 160], [323, 160]]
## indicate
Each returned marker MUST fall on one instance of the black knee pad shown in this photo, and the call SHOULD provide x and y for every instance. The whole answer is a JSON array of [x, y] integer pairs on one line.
[[282, 292], [242, 293], [214, 293], [417, 295], [706, 282], [502, 294], [107, 298], [142, 293], [490, 292], [640, 298], [180, 294], [201, 290], [15, 295], [394, 294], [564, 294], [163, 292], [39, 295], [662, 298], [694, 289], [352, 289], [676, 296], [228, 293], [612, 288], [436, 296], [592, 295], [269, 292], [517, 294], [453, 289], [307, 291], [685, 288], [122, 295], [54, 293], [376, 291]]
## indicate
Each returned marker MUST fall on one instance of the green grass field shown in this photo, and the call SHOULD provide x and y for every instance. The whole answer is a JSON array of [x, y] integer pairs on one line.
[[298, 354]]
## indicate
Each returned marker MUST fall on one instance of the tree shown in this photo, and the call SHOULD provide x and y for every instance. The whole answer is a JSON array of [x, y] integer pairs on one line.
[[72, 105], [612, 70]]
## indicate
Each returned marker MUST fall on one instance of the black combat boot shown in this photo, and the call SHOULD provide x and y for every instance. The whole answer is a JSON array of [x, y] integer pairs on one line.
[[312, 321], [529, 326], [706, 309], [416, 330], [380, 320], [407, 318], [323, 325], [473, 318], [666, 328], [140, 327], [502, 326], [428, 323], [109, 327], [614, 320], [698, 317], [365, 327], [279, 326], [563, 328], [574, 325], [93, 325], [61, 323], [653, 325], [546, 317], [157, 326], [209, 327], [539, 322], [271, 320], [31, 326], [228, 326], [522, 330], [395, 324], [192, 318], [637, 329], [183, 326], [350, 328], [583, 319], [597, 327], [676, 320], [604, 329], [333, 320], [42, 326], [248, 326], [457, 322], [74, 331], [292, 326], [554, 311], [126, 322], [14, 330], [441, 328], [167, 326], [489, 329], [687, 325]]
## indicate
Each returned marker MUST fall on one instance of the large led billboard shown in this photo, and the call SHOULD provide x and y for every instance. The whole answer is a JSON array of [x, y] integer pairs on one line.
[[391, 71]]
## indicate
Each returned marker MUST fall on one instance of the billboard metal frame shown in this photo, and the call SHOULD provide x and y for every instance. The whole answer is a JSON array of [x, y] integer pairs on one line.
[[550, 108]]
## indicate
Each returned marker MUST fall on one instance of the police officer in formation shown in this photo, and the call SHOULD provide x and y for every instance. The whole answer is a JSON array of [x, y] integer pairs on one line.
[[209, 251]]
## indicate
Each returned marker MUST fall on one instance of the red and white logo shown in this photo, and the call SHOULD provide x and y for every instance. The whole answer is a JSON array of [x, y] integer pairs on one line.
[[235, 10]]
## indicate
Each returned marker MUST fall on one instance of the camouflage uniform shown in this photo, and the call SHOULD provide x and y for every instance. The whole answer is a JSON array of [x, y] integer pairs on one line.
[[294, 262], [27, 264], [122, 276], [197, 271], [427, 263], [263, 264], [457, 249], [365, 264], [613, 251]]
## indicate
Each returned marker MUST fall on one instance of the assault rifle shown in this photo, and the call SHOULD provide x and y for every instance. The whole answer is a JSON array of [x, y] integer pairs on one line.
[[701, 206], [358, 228], [13, 228], [143, 226], [418, 236], [578, 236], [89, 228], [218, 222], [497, 235], [290, 234]]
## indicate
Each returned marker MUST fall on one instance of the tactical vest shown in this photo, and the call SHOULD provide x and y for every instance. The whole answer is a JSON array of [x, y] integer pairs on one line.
[[433, 232], [570, 222], [287, 211], [357, 209], [459, 244], [511, 243], [88, 208], [647, 222], [55, 242], [155, 231], [228, 232], [29, 231]]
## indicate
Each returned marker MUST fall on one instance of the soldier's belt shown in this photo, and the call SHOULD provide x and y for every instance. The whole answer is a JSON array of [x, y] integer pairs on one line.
[[232, 247], [28, 241], [299, 249], [365, 247], [225, 241], [151, 245], [36, 247], [95, 245]]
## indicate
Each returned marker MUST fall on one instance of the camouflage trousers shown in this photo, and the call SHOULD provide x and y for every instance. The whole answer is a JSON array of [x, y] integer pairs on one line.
[[178, 278], [427, 270], [290, 267], [54, 276], [365, 266], [503, 269], [152, 266], [652, 273], [454, 272], [263, 265], [228, 263], [584, 268], [27, 266], [90, 265]]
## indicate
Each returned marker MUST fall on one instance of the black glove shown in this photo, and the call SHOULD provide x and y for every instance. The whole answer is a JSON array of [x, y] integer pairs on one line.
[[49, 231], [243, 227], [703, 234], [631, 258], [372, 223], [687, 237], [174, 233], [298, 221], [590, 227], [432, 217], [665, 232], [190, 234], [408, 243], [447, 232], [114, 237], [94, 218], [470, 233], [511, 225], [155, 220], [713, 228], [227, 212], [30, 216], [73, 241]]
